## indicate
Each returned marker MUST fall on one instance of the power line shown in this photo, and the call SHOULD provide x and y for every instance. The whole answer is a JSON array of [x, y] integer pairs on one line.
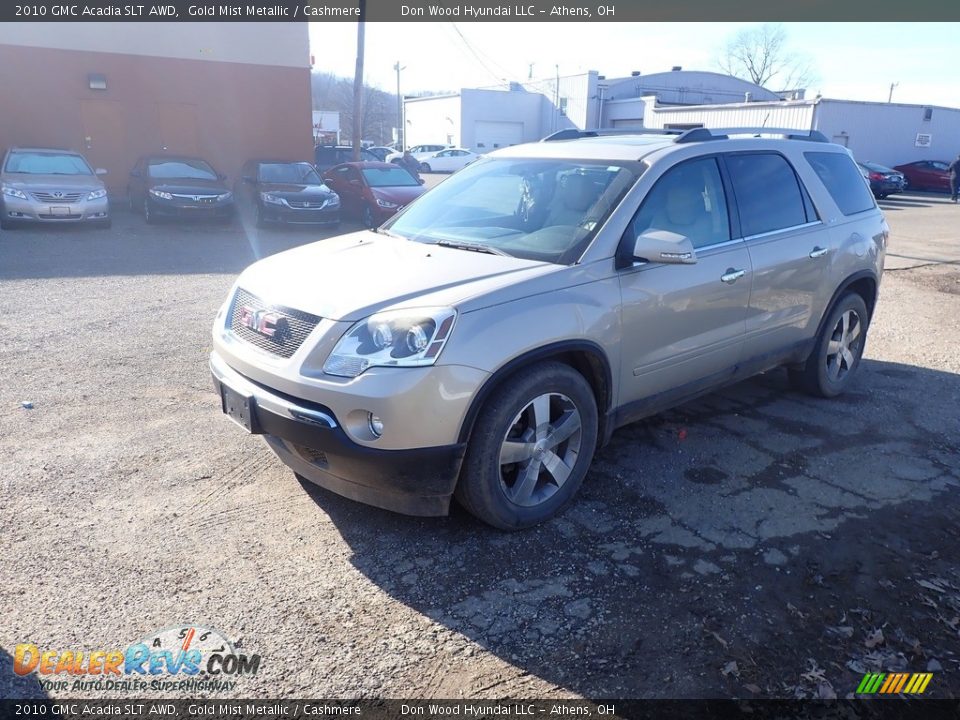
[[476, 55]]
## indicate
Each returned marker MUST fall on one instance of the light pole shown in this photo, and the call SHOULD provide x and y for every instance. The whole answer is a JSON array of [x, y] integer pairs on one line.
[[890, 96], [400, 127]]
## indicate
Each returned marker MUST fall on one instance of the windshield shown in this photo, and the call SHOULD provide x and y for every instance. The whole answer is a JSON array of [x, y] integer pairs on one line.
[[192, 169], [30, 163], [546, 210], [302, 173], [389, 177]]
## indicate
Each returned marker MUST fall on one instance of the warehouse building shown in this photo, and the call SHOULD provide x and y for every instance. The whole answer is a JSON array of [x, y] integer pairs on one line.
[[886, 133], [485, 119], [116, 91]]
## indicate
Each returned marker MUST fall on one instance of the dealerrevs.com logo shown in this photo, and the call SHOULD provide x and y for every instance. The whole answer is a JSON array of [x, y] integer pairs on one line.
[[184, 657]]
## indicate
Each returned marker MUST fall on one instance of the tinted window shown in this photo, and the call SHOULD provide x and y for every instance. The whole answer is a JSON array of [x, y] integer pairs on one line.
[[389, 177], [181, 168], [40, 163], [289, 173], [768, 193], [842, 180], [688, 200]]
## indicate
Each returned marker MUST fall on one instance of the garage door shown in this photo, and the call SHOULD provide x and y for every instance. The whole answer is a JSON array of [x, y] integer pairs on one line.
[[628, 124], [492, 135]]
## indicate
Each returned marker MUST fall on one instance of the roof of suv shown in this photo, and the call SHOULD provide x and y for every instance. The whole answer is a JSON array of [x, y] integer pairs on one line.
[[61, 151], [612, 145]]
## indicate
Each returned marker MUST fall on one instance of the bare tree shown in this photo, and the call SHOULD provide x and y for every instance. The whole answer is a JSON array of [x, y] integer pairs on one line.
[[762, 56]]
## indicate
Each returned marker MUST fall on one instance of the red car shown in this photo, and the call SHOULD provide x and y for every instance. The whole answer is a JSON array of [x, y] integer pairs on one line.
[[373, 191], [927, 175]]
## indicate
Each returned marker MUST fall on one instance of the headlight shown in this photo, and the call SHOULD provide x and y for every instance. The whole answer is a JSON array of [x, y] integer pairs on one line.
[[387, 204], [97, 194], [333, 201], [13, 192], [225, 196], [271, 199], [161, 194], [396, 338]]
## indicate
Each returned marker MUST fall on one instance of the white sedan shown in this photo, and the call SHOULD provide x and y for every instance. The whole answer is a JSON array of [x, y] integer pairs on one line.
[[449, 160]]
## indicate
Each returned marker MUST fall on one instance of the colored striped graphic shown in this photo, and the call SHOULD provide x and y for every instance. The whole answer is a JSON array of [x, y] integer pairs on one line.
[[894, 683]]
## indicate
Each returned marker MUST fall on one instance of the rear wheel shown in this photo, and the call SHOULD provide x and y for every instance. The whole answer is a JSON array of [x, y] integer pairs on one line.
[[530, 448], [836, 356], [425, 167]]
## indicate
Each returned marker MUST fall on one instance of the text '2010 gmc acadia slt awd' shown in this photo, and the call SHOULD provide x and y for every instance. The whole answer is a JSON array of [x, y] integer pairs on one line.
[[487, 340]]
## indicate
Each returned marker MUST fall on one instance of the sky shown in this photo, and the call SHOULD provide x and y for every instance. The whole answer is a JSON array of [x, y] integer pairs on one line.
[[855, 61]]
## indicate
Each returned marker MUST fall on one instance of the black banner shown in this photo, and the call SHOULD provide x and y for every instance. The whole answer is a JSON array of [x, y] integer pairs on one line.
[[481, 11], [892, 709]]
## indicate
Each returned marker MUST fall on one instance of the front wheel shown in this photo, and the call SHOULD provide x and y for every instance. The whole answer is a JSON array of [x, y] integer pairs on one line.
[[836, 356], [530, 448], [425, 167], [148, 215], [369, 221]]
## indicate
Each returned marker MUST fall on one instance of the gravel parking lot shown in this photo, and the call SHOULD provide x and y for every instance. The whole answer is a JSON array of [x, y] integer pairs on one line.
[[754, 543]]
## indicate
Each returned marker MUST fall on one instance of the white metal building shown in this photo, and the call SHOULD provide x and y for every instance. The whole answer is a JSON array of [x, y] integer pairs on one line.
[[488, 118], [886, 133]]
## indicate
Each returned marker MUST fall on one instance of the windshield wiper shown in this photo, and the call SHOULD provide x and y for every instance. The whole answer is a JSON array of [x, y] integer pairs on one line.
[[474, 247]]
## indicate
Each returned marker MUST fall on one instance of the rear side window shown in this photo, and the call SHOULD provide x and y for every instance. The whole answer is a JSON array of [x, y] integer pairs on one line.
[[842, 180], [769, 196]]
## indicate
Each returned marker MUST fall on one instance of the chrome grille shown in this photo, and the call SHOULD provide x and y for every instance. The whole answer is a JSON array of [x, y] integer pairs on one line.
[[196, 198], [57, 197], [316, 204], [290, 329]]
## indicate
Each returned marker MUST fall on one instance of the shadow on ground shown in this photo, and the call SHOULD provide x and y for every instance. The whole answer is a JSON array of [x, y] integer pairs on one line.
[[17, 687], [756, 542]]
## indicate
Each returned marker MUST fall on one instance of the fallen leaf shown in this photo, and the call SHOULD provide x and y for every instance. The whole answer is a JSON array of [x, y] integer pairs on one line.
[[718, 638], [826, 692], [755, 689], [874, 638], [841, 630], [730, 667], [931, 586]]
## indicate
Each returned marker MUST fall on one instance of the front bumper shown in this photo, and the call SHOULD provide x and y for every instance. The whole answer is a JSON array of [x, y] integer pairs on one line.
[[33, 211], [300, 216], [177, 209], [309, 439]]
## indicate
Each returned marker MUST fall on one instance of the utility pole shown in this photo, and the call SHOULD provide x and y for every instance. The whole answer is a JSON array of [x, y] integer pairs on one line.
[[358, 84], [400, 126], [890, 96]]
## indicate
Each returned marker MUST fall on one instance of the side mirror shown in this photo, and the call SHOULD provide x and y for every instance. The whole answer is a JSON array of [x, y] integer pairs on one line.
[[221, 176], [101, 171], [421, 181], [663, 246]]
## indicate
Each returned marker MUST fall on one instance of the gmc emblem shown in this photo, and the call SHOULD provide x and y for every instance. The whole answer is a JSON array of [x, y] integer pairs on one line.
[[264, 322]]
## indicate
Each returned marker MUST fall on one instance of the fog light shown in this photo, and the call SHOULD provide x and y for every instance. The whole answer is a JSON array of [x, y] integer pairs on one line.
[[375, 424]]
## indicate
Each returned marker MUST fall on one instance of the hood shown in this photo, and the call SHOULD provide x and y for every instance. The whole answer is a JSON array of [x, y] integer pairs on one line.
[[399, 195], [48, 183], [356, 275], [187, 186], [295, 189]]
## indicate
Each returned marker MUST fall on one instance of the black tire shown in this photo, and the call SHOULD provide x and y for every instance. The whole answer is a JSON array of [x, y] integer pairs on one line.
[[132, 203], [369, 221], [826, 373], [261, 220], [425, 167], [148, 215], [104, 224], [494, 491], [7, 225]]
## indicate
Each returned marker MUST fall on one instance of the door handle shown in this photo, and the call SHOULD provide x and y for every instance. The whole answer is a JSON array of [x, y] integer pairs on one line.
[[731, 276], [818, 252]]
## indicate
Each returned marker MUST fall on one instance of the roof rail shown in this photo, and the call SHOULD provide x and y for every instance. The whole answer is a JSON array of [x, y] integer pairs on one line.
[[575, 133], [704, 134]]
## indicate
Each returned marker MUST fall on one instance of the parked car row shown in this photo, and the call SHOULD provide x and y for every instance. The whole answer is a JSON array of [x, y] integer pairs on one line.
[[51, 185], [437, 158]]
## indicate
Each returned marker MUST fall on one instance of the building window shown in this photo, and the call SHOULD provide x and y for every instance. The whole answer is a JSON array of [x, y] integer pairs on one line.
[[97, 81], [928, 114], [563, 106], [480, 145]]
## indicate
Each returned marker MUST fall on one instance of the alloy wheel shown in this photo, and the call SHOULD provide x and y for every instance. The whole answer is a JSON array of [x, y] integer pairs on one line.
[[540, 449], [844, 345]]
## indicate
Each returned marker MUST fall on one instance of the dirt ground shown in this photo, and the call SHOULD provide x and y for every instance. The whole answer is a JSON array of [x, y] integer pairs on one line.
[[755, 543]]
